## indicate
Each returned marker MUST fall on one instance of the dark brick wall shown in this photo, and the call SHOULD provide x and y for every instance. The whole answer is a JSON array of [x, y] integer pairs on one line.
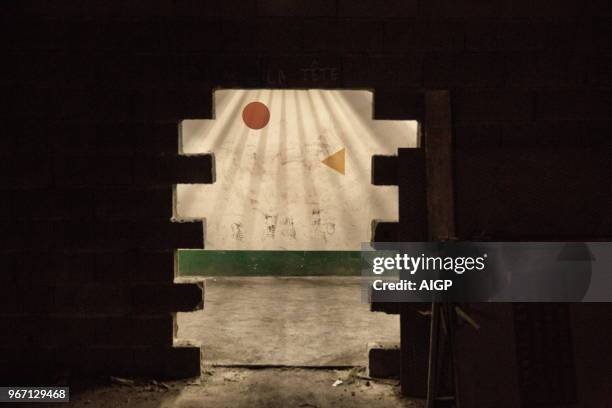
[[92, 93]]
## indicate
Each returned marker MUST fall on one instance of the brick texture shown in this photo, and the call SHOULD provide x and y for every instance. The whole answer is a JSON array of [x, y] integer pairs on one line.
[[92, 96]]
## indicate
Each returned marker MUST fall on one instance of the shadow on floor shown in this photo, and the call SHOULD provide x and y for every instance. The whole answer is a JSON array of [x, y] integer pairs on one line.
[[247, 388]]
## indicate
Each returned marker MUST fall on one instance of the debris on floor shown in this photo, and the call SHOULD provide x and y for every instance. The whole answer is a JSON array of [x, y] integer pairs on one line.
[[248, 388], [122, 381]]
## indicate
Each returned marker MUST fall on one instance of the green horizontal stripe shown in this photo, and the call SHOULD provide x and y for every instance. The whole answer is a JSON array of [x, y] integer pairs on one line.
[[269, 263]]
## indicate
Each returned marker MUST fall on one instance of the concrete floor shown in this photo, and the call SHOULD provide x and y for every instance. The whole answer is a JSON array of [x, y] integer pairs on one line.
[[297, 321], [247, 388]]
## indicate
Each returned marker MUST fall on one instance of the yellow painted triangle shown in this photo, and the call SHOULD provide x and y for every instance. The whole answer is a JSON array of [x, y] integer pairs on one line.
[[336, 161]]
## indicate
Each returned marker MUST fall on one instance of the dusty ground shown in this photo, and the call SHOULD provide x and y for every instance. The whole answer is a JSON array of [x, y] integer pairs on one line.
[[248, 388], [267, 321], [295, 321]]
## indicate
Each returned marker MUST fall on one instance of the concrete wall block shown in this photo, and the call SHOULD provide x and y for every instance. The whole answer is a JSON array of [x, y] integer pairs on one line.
[[8, 276], [153, 330], [104, 361], [401, 71], [41, 362], [124, 235], [475, 136], [431, 36], [134, 266], [552, 69], [277, 36], [183, 362], [467, 9], [141, 35], [41, 35], [165, 298], [357, 71], [385, 170], [599, 72], [523, 36], [240, 36], [223, 70], [378, 9], [114, 236], [383, 360], [574, 105], [212, 8], [491, 106], [10, 300], [379, 71], [134, 331], [302, 71], [75, 139], [57, 235], [545, 135], [70, 139], [7, 203], [438, 70], [65, 332], [14, 331], [479, 70], [30, 170], [133, 11], [8, 141], [306, 8], [166, 235], [154, 267], [139, 203], [412, 195], [171, 105], [598, 8], [92, 170], [483, 36], [174, 169], [487, 182], [115, 267], [134, 71], [78, 104], [50, 268], [13, 236], [385, 231], [112, 331], [166, 363], [565, 9], [38, 298], [385, 307], [56, 67], [50, 204], [30, 138], [92, 299], [161, 138], [74, 234], [331, 35], [194, 35], [598, 136], [398, 104]]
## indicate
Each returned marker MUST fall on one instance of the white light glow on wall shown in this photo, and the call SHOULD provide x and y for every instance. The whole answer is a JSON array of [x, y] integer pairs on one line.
[[272, 190]]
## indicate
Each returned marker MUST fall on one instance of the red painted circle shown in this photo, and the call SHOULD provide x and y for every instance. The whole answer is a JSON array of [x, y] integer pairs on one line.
[[256, 115]]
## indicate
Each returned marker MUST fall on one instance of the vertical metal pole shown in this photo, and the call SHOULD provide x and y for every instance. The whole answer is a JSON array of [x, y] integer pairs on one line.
[[432, 374], [440, 203]]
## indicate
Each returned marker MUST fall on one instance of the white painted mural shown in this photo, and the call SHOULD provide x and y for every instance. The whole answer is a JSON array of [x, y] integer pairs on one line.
[[276, 185]]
